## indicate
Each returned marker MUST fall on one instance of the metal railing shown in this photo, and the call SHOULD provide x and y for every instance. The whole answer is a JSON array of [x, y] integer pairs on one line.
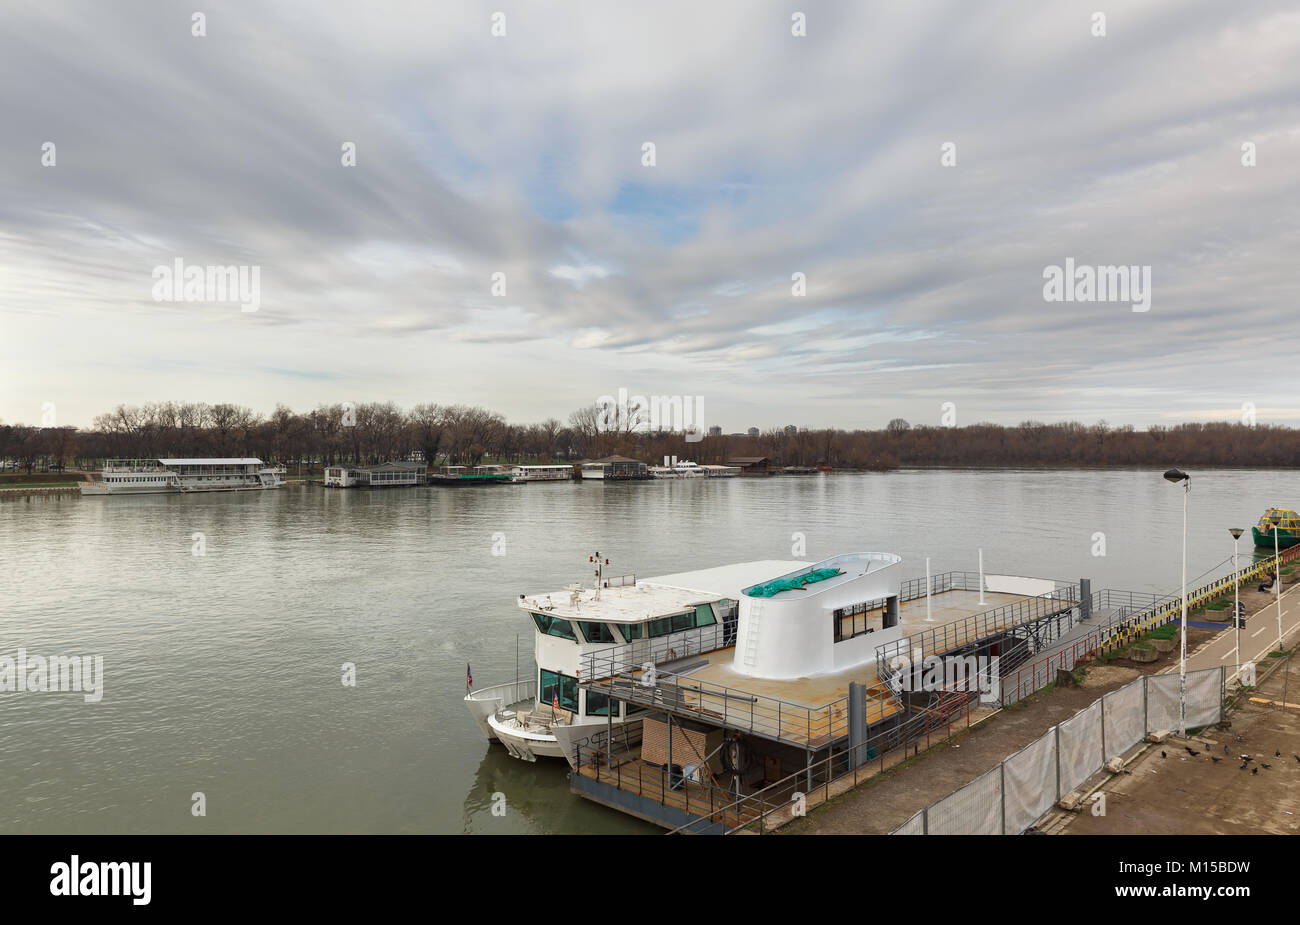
[[635, 655], [914, 588], [970, 629], [1033, 677], [847, 767], [1126, 626], [768, 717]]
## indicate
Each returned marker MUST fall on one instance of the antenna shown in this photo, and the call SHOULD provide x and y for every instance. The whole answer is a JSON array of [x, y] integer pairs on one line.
[[600, 563]]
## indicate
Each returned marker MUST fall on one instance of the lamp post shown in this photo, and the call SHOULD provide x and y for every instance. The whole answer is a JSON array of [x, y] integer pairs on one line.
[[1176, 476], [1236, 592], [1277, 581]]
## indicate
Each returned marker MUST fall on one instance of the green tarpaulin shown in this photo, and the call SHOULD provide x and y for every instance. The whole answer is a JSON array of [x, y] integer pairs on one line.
[[773, 588]]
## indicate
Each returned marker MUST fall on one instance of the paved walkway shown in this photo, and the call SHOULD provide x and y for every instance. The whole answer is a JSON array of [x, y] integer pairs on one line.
[[1258, 638]]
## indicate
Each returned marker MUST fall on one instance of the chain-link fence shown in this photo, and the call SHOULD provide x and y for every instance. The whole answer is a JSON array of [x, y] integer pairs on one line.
[[1012, 796]]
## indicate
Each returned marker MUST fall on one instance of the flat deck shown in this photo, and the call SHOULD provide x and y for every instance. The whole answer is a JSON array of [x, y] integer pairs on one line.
[[819, 690]]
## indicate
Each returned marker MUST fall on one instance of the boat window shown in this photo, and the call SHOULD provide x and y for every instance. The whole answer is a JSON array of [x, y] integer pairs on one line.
[[659, 627], [598, 704], [595, 632], [553, 626], [704, 615], [555, 686], [630, 631], [683, 621]]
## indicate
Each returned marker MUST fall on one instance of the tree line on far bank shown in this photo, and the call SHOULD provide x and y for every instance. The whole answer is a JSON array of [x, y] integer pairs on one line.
[[466, 435]]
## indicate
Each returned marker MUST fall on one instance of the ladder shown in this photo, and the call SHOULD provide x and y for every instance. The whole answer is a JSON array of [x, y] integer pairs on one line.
[[751, 638]]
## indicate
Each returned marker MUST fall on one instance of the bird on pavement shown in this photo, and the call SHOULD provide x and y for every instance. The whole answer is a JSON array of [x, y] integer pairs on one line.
[[1163, 755], [1243, 766], [1225, 749], [1254, 770], [1265, 764], [1215, 760], [1278, 753]]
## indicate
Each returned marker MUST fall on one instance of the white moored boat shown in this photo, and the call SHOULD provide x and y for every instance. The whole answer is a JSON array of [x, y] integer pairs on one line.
[[156, 476], [664, 620], [679, 469], [549, 473]]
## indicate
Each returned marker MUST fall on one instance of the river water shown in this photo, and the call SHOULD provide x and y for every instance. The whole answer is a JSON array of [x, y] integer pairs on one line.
[[222, 671]]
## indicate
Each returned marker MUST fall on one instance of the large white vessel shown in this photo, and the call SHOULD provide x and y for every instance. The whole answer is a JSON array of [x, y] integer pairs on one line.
[[666, 621], [154, 476]]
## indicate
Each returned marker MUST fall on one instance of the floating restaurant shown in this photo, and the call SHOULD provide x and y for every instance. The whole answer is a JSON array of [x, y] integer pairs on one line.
[[700, 698], [384, 475]]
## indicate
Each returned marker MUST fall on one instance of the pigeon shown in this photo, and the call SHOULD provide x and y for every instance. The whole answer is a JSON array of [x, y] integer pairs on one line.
[[1278, 753], [1225, 751], [1264, 764], [1163, 755], [1254, 770], [1243, 766], [1215, 760], [1192, 753], [1295, 756]]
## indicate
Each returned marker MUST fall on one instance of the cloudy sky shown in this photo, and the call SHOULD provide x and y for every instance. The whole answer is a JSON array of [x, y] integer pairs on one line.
[[774, 154]]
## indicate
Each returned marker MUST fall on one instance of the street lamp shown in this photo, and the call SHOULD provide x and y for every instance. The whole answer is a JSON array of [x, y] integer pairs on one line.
[[1236, 592], [1176, 476], [1277, 580]]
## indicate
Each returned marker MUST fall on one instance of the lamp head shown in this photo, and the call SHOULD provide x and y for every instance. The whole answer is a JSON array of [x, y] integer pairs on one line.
[[1236, 532], [1176, 476]]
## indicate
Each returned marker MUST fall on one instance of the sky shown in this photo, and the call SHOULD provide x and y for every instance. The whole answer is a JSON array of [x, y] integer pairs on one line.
[[838, 227]]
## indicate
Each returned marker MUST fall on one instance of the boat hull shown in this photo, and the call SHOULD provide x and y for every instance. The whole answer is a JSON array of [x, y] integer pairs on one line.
[[1285, 538]]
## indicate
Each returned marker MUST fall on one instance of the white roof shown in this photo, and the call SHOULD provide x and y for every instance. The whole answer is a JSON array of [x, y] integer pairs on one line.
[[652, 598], [232, 461], [727, 580]]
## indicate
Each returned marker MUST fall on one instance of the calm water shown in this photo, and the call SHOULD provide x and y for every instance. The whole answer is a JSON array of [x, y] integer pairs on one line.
[[222, 672]]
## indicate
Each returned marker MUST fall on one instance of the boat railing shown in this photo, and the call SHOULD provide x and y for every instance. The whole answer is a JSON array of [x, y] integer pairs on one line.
[[635, 655], [618, 581], [716, 808], [735, 708], [914, 588], [970, 629], [507, 694]]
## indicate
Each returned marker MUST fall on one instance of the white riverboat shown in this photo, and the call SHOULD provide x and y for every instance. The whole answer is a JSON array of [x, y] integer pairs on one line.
[[549, 473], [159, 476], [669, 620], [679, 469]]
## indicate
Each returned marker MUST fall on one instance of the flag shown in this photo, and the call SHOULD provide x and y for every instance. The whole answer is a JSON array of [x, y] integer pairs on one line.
[[469, 677], [555, 697]]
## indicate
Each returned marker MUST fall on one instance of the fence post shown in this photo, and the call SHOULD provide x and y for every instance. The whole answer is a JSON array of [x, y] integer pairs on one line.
[[1102, 712], [1146, 719], [1057, 729], [925, 821], [1003, 768]]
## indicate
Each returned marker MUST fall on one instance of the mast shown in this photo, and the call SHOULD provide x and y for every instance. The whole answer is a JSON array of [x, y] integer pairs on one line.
[[599, 566]]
